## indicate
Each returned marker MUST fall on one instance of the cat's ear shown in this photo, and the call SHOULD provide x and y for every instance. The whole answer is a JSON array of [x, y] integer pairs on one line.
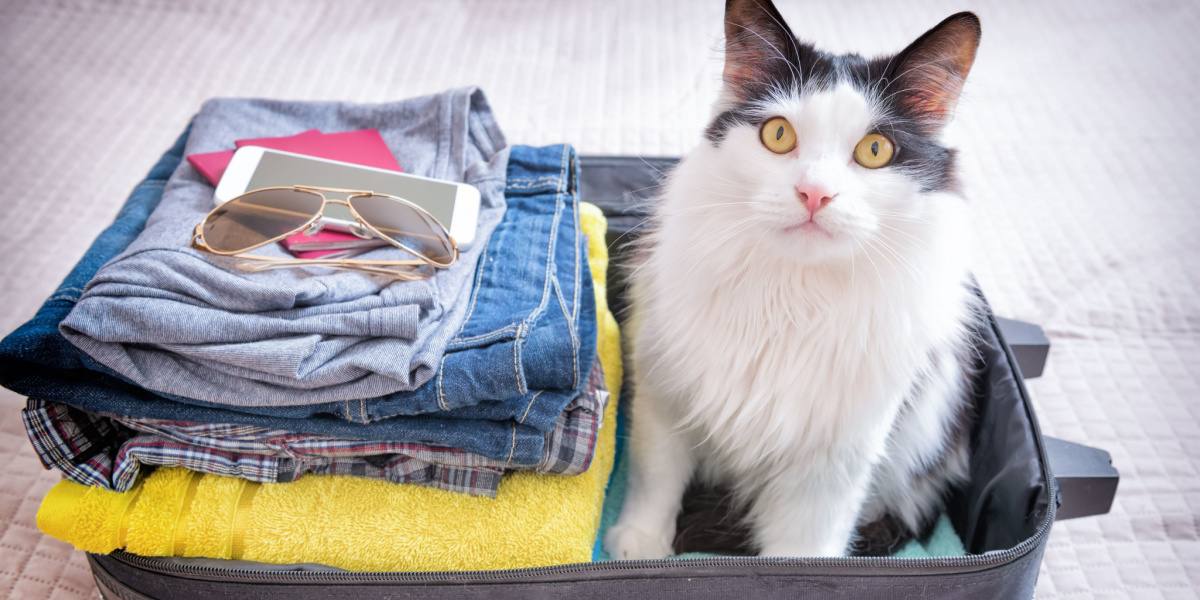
[[758, 46], [927, 77]]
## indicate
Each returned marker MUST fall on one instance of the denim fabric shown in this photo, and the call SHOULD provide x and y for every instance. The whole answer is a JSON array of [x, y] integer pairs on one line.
[[110, 451], [37, 361], [531, 323], [531, 326], [179, 321]]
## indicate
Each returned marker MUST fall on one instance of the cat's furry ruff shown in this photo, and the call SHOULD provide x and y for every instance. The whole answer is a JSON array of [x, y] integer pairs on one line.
[[818, 373]]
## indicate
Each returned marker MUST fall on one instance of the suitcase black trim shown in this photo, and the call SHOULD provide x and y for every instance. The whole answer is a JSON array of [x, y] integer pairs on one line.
[[136, 577]]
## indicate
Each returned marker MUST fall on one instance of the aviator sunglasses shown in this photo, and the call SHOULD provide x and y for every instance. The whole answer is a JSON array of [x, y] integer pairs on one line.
[[265, 215]]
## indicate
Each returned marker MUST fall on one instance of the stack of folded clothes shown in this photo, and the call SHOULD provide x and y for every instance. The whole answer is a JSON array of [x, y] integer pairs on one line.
[[198, 410]]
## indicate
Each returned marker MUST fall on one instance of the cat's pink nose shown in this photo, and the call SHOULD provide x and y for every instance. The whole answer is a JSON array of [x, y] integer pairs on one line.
[[814, 197]]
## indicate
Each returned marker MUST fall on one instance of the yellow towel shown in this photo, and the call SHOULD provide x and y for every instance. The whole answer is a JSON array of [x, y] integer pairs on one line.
[[356, 523]]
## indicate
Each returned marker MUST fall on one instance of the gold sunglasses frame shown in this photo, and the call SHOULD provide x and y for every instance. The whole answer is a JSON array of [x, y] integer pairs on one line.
[[379, 267]]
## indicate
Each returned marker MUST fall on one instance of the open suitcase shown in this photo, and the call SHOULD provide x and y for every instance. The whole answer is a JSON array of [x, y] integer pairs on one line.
[[1021, 483]]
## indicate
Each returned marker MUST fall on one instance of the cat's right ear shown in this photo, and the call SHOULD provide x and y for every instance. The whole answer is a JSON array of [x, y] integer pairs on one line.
[[759, 47]]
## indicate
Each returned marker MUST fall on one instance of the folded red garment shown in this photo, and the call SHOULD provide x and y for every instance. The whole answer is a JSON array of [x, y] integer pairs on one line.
[[212, 164], [362, 147]]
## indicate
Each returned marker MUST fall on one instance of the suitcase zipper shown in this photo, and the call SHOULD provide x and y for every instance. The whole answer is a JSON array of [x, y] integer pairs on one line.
[[862, 565]]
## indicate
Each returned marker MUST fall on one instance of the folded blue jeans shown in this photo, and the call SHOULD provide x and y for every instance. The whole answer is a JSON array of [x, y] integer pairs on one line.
[[176, 320], [505, 376], [530, 331]]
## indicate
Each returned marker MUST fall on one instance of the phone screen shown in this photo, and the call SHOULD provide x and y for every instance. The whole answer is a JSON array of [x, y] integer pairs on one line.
[[280, 170]]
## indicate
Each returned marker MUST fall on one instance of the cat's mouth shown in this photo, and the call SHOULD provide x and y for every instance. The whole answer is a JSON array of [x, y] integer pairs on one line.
[[808, 227]]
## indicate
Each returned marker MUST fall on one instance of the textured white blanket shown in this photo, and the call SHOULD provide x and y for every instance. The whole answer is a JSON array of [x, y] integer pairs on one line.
[[1078, 134]]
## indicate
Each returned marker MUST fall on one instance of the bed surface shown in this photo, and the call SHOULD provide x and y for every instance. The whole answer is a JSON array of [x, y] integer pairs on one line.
[[1078, 134]]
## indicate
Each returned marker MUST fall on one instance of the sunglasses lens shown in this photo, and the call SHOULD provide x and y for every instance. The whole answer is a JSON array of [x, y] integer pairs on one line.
[[258, 216], [400, 222]]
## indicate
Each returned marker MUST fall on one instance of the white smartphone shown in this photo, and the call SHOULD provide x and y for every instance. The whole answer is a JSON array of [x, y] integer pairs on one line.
[[456, 205]]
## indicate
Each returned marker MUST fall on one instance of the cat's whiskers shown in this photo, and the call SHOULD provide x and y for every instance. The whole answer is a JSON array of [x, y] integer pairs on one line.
[[851, 282], [631, 230], [717, 244], [710, 206], [729, 196], [917, 242], [867, 255], [661, 174], [902, 217], [653, 186], [660, 211], [900, 261], [724, 179]]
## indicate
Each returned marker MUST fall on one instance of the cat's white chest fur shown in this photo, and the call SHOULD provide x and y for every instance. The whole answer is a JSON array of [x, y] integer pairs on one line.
[[765, 360], [757, 380]]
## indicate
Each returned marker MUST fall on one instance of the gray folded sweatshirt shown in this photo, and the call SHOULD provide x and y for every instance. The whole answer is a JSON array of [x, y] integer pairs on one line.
[[184, 323]]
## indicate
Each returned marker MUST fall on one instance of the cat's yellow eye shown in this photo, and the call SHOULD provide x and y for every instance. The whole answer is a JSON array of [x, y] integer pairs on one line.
[[777, 135], [874, 151]]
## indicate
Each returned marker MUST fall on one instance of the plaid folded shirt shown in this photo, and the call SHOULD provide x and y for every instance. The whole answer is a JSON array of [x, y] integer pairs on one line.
[[109, 451]]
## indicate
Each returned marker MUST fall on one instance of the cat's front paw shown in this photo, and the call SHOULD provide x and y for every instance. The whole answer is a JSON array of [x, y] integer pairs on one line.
[[628, 542]]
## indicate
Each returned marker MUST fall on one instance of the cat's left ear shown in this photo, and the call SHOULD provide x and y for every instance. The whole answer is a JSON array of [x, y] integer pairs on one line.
[[931, 71]]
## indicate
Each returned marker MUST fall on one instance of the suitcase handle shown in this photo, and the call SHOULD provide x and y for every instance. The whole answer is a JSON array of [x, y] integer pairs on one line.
[[1085, 480], [1084, 477], [1029, 344]]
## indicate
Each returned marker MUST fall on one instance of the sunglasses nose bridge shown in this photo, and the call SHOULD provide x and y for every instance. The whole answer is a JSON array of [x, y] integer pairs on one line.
[[360, 228], [315, 226]]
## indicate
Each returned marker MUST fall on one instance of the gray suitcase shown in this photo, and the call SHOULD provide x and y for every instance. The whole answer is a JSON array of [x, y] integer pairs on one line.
[[1021, 483]]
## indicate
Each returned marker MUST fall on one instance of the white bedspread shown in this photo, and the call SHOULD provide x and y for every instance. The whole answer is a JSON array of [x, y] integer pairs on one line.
[[1079, 137]]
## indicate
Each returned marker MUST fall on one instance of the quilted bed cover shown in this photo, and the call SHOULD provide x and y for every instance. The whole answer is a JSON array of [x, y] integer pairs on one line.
[[1078, 134]]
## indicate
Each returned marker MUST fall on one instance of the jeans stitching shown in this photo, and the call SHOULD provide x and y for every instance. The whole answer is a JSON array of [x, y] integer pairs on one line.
[[466, 320], [440, 392], [562, 304], [483, 337], [528, 407], [483, 255], [518, 372], [512, 448], [523, 183], [578, 258]]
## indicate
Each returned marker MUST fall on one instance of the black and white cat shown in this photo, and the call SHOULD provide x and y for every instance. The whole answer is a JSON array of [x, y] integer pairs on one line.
[[801, 315]]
